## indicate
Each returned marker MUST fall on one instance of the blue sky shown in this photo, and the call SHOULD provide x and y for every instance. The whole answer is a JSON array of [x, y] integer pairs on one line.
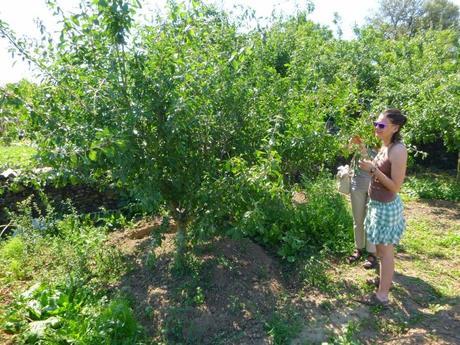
[[21, 15]]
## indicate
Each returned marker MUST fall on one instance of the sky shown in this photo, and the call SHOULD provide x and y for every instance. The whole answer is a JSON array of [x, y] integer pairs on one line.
[[21, 16]]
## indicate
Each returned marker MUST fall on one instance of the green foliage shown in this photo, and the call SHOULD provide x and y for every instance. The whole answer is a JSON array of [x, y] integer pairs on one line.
[[433, 186], [17, 156], [15, 106], [314, 273], [283, 326], [12, 254], [68, 258], [254, 201], [191, 114], [71, 313], [348, 335], [72, 240], [441, 15]]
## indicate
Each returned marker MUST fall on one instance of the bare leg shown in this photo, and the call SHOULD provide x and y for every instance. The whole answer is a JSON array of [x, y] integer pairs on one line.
[[387, 268]]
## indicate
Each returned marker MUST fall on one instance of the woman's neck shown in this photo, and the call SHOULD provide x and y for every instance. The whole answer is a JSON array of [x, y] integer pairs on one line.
[[386, 143]]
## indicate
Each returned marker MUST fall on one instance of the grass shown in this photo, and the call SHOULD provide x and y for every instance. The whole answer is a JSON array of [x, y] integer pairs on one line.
[[425, 238], [17, 156], [434, 249]]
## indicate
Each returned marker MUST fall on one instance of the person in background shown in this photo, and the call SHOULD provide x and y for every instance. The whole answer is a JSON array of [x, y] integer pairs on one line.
[[385, 223], [360, 181]]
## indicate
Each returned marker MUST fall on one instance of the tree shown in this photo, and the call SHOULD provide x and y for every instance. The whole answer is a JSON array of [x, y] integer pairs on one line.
[[441, 15], [398, 17], [156, 109], [407, 17]]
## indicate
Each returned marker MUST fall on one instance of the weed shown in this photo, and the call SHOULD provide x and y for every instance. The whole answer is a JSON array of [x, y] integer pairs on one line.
[[283, 325], [12, 257], [150, 260], [394, 327], [173, 326], [315, 273], [235, 304], [71, 312], [149, 312], [225, 262], [348, 335]]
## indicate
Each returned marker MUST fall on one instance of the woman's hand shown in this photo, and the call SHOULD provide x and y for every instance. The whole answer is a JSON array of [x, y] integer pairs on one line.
[[355, 140], [366, 165], [355, 144]]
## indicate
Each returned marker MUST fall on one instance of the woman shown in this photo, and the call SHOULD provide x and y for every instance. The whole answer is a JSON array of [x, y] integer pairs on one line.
[[385, 222], [360, 181]]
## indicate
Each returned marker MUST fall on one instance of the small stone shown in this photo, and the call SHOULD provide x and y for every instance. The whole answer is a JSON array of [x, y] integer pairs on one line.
[[8, 173]]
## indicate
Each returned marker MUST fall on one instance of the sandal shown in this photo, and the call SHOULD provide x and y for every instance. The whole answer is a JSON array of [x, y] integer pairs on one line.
[[355, 256], [371, 262], [373, 301]]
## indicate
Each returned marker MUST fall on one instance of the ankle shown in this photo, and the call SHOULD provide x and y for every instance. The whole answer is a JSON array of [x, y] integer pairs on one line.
[[382, 296]]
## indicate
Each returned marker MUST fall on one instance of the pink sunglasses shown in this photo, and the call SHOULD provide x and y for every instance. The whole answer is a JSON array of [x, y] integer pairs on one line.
[[379, 125]]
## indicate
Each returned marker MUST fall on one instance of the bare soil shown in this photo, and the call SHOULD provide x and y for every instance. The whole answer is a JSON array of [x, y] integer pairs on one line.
[[232, 290]]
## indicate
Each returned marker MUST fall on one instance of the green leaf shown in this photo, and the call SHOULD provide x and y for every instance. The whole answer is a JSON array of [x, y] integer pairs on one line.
[[92, 155]]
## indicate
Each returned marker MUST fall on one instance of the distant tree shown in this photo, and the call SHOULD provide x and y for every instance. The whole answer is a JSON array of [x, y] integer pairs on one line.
[[398, 17], [407, 17], [441, 15], [338, 24]]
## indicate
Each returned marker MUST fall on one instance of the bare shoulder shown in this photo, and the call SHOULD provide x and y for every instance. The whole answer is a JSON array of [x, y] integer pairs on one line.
[[398, 151]]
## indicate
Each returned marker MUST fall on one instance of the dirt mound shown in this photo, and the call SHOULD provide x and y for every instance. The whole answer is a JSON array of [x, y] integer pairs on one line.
[[229, 288]]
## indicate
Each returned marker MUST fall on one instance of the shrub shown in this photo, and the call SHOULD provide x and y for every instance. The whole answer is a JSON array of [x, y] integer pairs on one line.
[[254, 201], [441, 187]]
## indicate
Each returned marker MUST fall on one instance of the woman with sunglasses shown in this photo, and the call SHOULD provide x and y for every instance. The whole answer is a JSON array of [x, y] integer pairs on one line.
[[384, 221]]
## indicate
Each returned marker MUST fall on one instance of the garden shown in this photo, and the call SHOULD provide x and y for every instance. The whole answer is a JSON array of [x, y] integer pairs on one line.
[[173, 181]]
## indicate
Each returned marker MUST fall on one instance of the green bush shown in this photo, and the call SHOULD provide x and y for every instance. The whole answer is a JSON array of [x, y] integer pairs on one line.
[[433, 186], [254, 201]]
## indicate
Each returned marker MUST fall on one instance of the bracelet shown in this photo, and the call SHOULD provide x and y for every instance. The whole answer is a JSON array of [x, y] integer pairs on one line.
[[372, 171]]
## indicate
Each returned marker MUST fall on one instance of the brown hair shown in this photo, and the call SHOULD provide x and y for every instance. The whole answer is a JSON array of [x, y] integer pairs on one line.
[[396, 118]]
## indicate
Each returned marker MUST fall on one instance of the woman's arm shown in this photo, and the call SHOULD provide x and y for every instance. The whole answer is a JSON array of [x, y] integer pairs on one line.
[[398, 159]]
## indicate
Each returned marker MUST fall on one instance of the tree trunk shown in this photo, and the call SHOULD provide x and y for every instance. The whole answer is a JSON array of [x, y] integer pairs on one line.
[[180, 244], [180, 216], [458, 166]]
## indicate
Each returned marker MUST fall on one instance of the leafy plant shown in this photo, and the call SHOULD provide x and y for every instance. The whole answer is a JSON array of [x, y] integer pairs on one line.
[[71, 312], [441, 187]]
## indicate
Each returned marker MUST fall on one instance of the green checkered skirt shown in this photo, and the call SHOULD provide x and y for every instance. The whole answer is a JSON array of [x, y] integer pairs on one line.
[[385, 221]]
